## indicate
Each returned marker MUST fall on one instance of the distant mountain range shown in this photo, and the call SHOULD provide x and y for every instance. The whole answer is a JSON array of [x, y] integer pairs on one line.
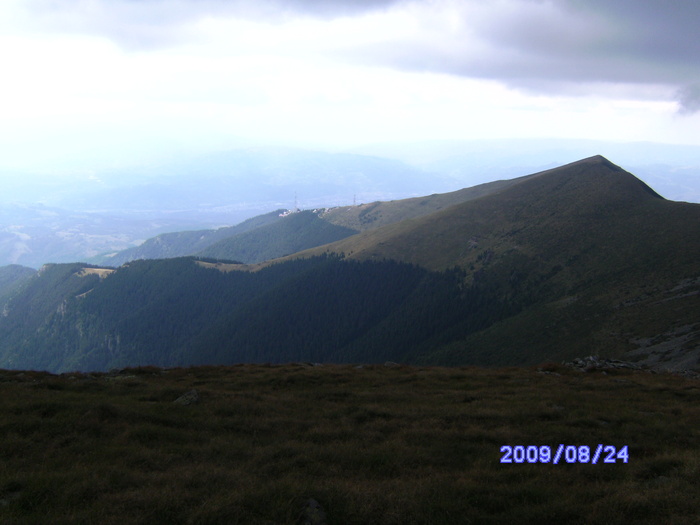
[[88, 214], [577, 260]]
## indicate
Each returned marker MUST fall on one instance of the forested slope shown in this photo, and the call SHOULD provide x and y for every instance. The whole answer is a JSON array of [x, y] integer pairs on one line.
[[175, 312]]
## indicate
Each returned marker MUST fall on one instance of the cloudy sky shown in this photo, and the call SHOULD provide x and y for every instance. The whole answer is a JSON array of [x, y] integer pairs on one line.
[[107, 82]]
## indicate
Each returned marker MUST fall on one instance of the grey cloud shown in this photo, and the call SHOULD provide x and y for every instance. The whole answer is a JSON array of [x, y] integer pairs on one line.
[[147, 24], [689, 99], [132, 24], [331, 7], [546, 45]]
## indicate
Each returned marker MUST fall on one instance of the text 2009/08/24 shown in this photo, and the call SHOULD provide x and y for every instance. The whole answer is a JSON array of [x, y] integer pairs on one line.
[[564, 454]]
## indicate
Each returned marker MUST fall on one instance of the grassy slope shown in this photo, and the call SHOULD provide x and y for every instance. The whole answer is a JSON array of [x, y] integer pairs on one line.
[[544, 215], [299, 232], [179, 244], [377, 214], [293, 233], [389, 445]]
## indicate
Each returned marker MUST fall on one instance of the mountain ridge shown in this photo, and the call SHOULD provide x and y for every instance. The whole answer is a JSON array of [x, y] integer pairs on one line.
[[507, 204], [571, 261], [252, 236]]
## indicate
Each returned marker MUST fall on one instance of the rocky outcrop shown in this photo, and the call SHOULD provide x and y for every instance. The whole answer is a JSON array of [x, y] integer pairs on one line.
[[594, 362], [312, 513], [188, 398]]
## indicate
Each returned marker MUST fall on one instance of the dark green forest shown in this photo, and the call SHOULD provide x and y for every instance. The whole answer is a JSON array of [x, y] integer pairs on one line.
[[174, 312]]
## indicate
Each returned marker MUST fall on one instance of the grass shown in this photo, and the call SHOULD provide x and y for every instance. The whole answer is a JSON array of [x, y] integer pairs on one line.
[[373, 445]]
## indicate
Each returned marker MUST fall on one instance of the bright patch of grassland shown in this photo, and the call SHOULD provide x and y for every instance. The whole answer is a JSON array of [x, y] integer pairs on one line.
[[373, 445]]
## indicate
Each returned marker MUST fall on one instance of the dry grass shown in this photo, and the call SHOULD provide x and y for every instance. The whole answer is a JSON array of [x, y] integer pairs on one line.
[[223, 267], [100, 272], [374, 445]]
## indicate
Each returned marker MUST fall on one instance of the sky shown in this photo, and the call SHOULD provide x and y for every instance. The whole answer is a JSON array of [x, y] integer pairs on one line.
[[104, 83]]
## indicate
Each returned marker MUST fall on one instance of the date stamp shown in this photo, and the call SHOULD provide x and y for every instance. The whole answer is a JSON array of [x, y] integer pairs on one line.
[[564, 454]]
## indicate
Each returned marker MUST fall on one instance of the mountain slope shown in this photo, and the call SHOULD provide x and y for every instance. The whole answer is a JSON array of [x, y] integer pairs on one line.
[[597, 260], [381, 213], [544, 214], [176, 312], [293, 233], [179, 244]]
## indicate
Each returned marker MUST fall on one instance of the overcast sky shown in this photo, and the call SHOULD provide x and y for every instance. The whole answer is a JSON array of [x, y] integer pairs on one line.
[[108, 82]]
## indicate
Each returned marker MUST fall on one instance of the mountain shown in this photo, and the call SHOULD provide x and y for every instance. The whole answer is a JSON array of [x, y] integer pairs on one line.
[[601, 260], [554, 209], [309, 229], [295, 232], [277, 234], [672, 169], [178, 244], [577, 260]]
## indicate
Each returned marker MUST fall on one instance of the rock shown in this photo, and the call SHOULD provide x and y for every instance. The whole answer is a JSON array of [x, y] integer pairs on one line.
[[188, 398], [312, 513], [391, 364], [593, 362]]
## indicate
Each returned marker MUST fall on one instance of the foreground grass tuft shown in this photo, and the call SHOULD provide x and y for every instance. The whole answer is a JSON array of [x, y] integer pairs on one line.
[[372, 444]]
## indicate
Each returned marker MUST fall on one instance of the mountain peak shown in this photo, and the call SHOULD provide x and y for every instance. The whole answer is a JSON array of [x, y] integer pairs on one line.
[[596, 173], [595, 160]]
